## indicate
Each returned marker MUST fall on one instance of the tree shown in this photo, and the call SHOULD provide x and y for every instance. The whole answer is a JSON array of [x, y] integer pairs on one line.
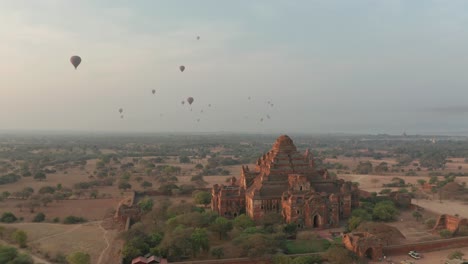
[[221, 226], [202, 198], [184, 159], [430, 222], [79, 258], [384, 211], [433, 180], [200, 241], [10, 255], [417, 215], [124, 185], [8, 217], [199, 166], [20, 237], [338, 254], [146, 204], [40, 176], [243, 221], [307, 260], [40, 217], [146, 184], [364, 167], [217, 252], [290, 229], [381, 168], [456, 255], [445, 233], [421, 182]]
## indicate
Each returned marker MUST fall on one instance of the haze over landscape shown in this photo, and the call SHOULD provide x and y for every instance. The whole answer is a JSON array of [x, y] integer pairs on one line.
[[328, 66]]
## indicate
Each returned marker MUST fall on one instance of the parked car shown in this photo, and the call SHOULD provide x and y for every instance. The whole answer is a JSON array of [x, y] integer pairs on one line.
[[414, 254]]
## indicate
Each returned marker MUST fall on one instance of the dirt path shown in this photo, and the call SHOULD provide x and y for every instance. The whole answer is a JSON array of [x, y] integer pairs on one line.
[[107, 242]]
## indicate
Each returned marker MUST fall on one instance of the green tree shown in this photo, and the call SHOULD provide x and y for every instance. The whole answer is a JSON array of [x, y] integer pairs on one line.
[[242, 222], [433, 180], [221, 226], [124, 185], [40, 217], [430, 222], [200, 241], [40, 176], [381, 168], [202, 198], [20, 237], [217, 252], [384, 211], [79, 258], [199, 166], [146, 204], [281, 259], [290, 229], [421, 182], [184, 159], [307, 260], [364, 167], [417, 215], [8, 217], [146, 184], [445, 233], [338, 254]]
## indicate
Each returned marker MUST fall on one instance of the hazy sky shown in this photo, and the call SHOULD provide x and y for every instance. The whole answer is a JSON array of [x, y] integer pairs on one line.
[[327, 66]]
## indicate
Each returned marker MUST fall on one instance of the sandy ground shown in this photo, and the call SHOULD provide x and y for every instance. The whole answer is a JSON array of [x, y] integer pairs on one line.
[[436, 257], [444, 207]]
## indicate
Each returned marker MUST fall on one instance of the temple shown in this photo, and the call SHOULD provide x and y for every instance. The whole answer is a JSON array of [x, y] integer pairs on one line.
[[286, 181]]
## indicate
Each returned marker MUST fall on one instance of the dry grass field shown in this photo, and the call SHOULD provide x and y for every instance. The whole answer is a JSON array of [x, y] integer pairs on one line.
[[91, 209], [52, 239]]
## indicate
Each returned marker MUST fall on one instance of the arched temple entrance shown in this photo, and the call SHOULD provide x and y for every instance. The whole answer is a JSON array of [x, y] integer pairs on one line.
[[316, 221], [369, 253]]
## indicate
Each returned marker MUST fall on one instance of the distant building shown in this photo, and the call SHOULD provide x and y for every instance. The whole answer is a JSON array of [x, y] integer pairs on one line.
[[287, 182]]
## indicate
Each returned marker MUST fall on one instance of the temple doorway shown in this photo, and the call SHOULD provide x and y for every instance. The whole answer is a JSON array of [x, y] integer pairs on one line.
[[369, 253], [316, 221]]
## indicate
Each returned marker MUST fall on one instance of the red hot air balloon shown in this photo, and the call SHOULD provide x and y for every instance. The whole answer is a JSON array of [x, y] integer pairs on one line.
[[75, 60], [190, 100], [182, 68]]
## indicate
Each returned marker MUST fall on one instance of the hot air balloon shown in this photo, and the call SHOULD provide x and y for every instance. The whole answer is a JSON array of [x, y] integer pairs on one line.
[[153, 91], [75, 60], [182, 68], [198, 37], [268, 116], [183, 102], [121, 117], [249, 97], [190, 100], [198, 120], [209, 105], [201, 111], [261, 119], [120, 110]]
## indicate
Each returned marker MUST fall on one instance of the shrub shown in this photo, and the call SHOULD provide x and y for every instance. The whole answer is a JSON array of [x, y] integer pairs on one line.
[[430, 222], [40, 217], [8, 217], [73, 220], [445, 233]]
